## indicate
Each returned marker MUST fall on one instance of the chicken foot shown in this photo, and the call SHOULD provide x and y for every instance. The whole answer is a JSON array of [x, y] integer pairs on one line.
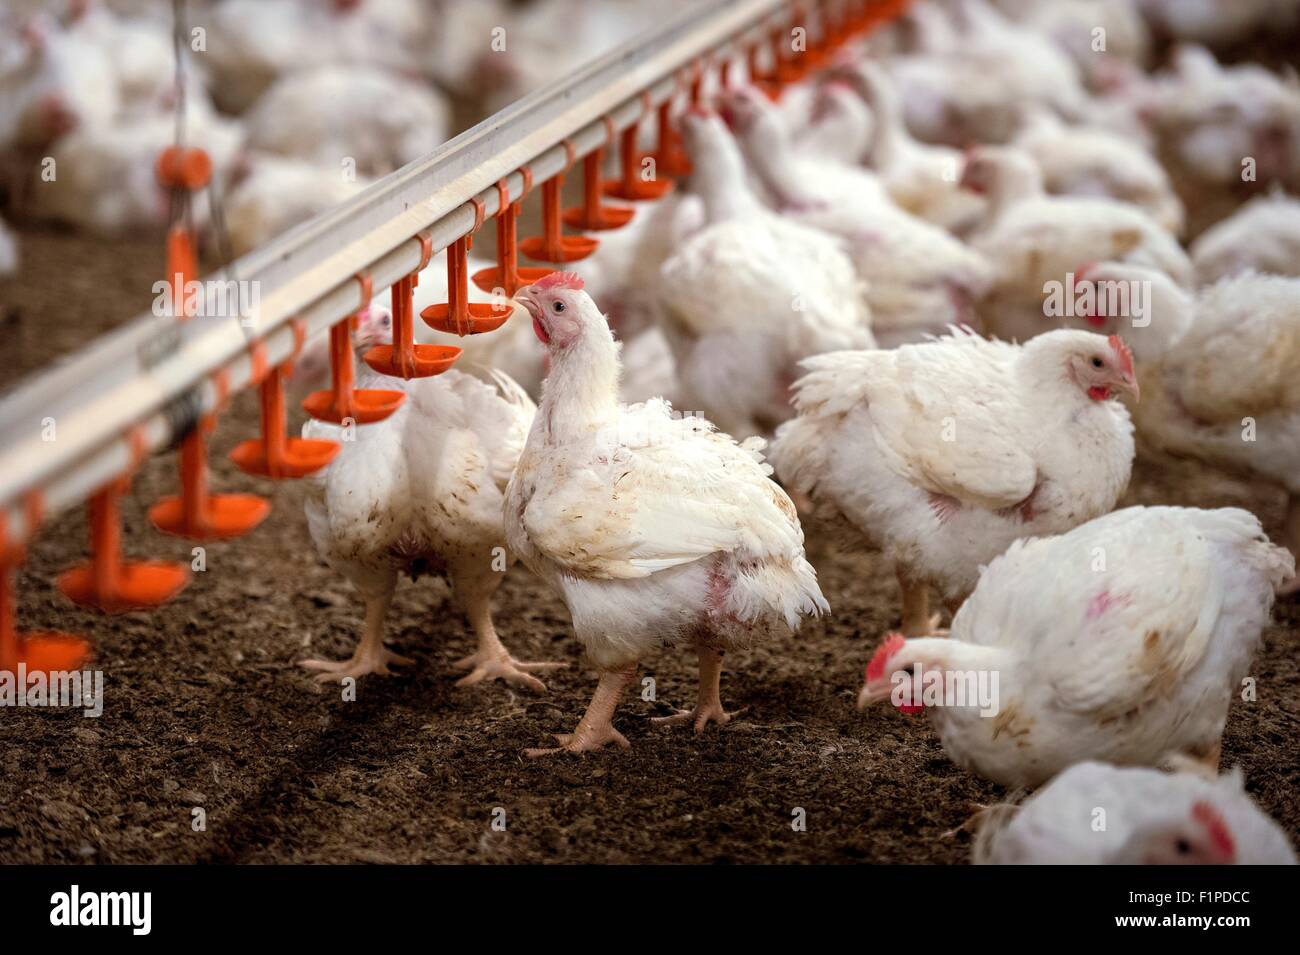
[[708, 705], [491, 660], [370, 656], [596, 728]]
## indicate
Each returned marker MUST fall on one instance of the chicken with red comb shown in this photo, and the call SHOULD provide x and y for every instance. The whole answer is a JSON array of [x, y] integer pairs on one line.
[[652, 526], [1150, 817], [944, 452], [1123, 640]]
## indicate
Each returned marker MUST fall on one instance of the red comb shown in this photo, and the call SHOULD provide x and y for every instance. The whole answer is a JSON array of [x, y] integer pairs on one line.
[[892, 643], [560, 280], [1081, 272], [1214, 824], [1124, 352]]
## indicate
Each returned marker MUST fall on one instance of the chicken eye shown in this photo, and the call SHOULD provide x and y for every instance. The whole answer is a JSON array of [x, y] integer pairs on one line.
[[1097, 363], [558, 306], [1183, 847]]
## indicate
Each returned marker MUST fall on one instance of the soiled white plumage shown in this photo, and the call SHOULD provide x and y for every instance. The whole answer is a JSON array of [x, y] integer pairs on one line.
[[1149, 816], [652, 526], [421, 491], [918, 278], [1123, 640], [750, 294], [1263, 235], [932, 450], [433, 471]]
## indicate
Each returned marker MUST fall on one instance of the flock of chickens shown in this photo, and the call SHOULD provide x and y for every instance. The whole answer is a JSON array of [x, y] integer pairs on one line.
[[91, 87], [849, 293]]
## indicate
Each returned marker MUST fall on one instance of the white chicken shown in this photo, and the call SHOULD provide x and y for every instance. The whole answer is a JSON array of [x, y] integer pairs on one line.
[[52, 81], [1098, 35], [840, 126], [1148, 817], [1091, 161], [1227, 391], [1143, 305], [651, 526], [124, 154], [923, 179], [945, 452], [1123, 640], [1036, 239], [375, 122], [273, 193], [968, 85], [750, 294], [421, 492], [1231, 129], [252, 43], [1263, 235], [918, 278]]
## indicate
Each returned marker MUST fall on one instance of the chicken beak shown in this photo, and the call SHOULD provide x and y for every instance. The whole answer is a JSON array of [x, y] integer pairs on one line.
[[525, 298], [1130, 384]]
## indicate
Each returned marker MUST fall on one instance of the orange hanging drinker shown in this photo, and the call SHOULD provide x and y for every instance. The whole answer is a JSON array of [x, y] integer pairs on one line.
[[592, 215], [108, 582], [404, 358], [40, 652], [632, 187], [553, 245], [458, 315], [196, 513], [509, 277], [343, 400], [274, 454]]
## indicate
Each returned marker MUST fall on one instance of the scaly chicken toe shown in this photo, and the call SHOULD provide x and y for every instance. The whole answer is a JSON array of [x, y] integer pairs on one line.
[[365, 661], [491, 660], [700, 717], [503, 666], [596, 728], [580, 742], [708, 707]]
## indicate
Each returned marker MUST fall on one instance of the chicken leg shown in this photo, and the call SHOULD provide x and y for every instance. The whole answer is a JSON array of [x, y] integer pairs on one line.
[[596, 728], [708, 706], [491, 660], [917, 619], [371, 656], [1291, 539]]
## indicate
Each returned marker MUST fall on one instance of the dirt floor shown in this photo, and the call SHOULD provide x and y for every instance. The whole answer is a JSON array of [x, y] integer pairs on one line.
[[205, 707]]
